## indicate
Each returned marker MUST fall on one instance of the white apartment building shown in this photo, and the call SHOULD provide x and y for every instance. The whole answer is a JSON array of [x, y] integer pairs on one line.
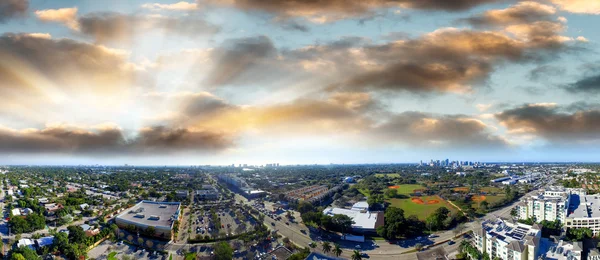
[[551, 205], [508, 241]]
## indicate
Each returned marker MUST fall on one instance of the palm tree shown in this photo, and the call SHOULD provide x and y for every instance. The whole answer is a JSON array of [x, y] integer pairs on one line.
[[356, 255], [312, 245], [326, 247], [337, 250]]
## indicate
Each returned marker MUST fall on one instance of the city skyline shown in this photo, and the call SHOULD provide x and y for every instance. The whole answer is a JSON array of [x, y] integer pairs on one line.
[[298, 82]]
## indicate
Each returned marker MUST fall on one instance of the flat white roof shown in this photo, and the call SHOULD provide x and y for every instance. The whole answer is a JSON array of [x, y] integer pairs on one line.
[[366, 220], [361, 205]]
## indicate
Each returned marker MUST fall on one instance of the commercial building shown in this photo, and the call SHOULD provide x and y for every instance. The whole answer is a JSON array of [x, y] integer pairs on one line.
[[584, 211], [364, 221], [241, 185], [207, 192], [508, 241], [160, 215], [551, 205]]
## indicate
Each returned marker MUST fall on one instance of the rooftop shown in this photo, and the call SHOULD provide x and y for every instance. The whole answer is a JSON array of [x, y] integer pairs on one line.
[[152, 213], [511, 233], [362, 220], [584, 206]]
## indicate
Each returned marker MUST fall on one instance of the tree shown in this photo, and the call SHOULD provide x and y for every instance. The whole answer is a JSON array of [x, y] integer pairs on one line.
[[312, 245], [326, 247], [17, 256], [513, 212], [337, 250], [150, 231], [223, 251], [418, 246], [484, 205], [342, 222], [356, 255], [76, 234]]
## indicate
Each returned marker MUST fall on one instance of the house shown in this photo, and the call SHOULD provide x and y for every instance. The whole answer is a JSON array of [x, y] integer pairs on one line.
[[26, 242], [52, 207], [84, 206], [92, 232], [16, 212], [85, 227], [45, 241]]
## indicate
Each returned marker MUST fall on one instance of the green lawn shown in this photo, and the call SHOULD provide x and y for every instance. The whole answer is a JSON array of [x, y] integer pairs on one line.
[[112, 256], [491, 189], [489, 199], [422, 211], [408, 188]]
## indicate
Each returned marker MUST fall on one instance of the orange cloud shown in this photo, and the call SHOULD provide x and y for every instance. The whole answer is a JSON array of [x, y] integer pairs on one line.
[[67, 16]]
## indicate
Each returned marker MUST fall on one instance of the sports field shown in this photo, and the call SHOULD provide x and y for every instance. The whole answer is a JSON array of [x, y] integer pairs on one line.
[[422, 207], [407, 188], [491, 189]]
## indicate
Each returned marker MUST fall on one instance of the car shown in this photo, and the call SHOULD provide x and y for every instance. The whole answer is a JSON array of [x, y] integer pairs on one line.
[[357, 247], [375, 245], [451, 242], [303, 231], [432, 236], [272, 223], [287, 223]]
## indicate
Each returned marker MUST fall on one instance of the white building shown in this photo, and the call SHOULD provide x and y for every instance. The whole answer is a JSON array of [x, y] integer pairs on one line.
[[364, 220], [551, 205], [508, 241]]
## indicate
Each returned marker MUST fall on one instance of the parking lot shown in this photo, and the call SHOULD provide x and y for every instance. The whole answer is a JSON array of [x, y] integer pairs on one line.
[[119, 249], [230, 222]]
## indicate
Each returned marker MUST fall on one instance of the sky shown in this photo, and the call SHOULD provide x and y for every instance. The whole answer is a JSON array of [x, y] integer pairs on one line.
[[298, 81]]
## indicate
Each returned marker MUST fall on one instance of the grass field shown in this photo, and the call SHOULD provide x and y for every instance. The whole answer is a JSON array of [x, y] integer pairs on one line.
[[422, 211], [408, 188], [491, 189], [391, 175], [489, 199]]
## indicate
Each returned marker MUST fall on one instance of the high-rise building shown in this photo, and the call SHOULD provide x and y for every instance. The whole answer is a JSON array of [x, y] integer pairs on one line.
[[551, 205]]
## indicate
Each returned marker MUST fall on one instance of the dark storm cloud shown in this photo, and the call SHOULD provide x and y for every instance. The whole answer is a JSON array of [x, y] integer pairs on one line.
[[12, 8], [586, 85], [117, 27], [523, 12], [564, 124], [451, 131], [545, 71], [64, 63], [105, 140], [237, 57]]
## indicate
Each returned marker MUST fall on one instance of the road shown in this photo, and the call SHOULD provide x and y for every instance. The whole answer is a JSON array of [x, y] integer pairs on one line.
[[384, 250]]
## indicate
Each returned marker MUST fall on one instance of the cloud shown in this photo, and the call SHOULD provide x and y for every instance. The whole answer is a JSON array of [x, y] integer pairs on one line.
[[33, 65], [589, 85], [67, 16], [237, 58], [448, 131], [109, 140], [579, 6], [179, 6], [561, 124], [523, 12], [446, 60], [116, 27], [334, 10], [10, 9], [545, 71]]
